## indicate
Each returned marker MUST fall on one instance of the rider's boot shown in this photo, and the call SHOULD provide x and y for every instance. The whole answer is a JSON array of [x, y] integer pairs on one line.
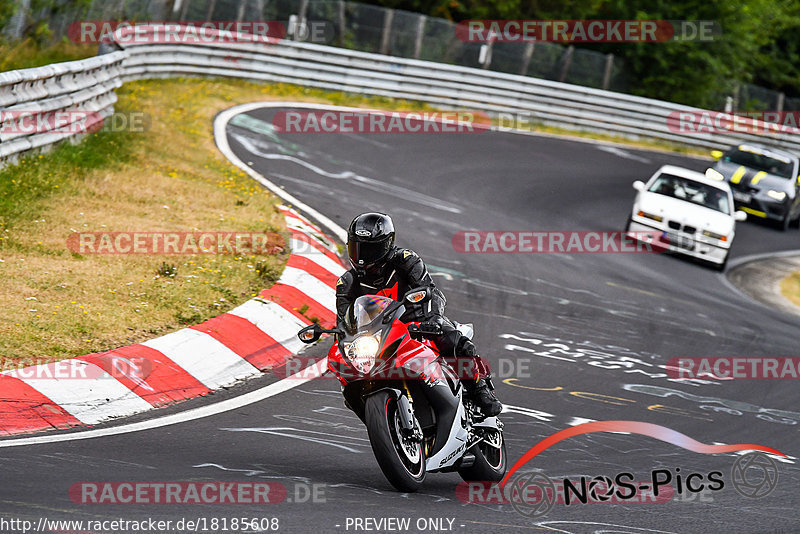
[[480, 393], [478, 384]]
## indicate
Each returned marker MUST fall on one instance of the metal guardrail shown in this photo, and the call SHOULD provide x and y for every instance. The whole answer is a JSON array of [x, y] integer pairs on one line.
[[539, 101], [46, 105], [89, 85]]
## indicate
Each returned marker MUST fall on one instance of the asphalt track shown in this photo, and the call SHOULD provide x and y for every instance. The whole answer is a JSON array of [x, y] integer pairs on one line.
[[573, 338]]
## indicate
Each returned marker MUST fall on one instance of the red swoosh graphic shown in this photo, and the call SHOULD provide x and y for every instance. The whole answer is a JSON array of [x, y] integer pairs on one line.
[[634, 427]]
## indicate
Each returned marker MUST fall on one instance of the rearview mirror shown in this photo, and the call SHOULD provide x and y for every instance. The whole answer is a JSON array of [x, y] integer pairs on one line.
[[310, 333], [740, 216], [638, 185], [716, 154]]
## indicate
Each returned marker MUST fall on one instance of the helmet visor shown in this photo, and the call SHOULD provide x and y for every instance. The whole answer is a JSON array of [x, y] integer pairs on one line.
[[363, 254]]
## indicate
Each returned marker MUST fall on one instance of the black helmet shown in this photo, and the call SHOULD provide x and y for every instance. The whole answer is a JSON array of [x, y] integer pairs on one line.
[[369, 239]]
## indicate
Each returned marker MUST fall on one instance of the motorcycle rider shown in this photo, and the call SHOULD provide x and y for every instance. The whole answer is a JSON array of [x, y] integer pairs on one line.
[[381, 268]]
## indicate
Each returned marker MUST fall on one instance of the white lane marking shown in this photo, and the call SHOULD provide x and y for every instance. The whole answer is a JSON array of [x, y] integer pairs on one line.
[[221, 138], [621, 153], [88, 400], [323, 438], [317, 257], [203, 357], [363, 181], [190, 415], [310, 285], [273, 320]]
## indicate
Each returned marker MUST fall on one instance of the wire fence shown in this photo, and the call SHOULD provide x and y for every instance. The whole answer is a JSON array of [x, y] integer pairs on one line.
[[346, 24], [368, 28]]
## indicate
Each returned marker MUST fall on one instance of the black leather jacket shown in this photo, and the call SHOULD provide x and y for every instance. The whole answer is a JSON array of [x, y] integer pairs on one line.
[[403, 270]]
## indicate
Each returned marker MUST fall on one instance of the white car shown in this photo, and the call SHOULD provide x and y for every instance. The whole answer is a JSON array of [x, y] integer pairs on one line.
[[687, 212]]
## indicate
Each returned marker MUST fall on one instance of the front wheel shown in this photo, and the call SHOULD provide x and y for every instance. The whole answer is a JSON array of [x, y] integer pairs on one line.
[[400, 457], [490, 459]]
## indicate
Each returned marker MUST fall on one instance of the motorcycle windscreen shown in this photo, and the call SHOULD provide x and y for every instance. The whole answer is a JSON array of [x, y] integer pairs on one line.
[[365, 309]]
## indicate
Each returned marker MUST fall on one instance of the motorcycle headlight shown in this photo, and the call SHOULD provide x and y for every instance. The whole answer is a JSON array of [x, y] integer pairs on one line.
[[362, 352], [777, 195]]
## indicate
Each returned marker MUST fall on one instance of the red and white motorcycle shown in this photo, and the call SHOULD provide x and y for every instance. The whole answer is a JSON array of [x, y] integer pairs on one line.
[[409, 398]]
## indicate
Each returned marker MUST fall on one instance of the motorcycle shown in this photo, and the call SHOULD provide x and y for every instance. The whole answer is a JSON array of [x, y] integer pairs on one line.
[[409, 398]]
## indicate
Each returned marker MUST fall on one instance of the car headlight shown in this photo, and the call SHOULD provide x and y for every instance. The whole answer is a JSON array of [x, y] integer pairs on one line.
[[777, 195], [656, 218], [362, 352], [712, 235]]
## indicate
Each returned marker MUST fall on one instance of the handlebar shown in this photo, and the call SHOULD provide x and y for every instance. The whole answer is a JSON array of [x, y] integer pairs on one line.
[[424, 330]]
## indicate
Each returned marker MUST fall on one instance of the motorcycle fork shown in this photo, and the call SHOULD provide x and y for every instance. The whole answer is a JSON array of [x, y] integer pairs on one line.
[[425, 443]]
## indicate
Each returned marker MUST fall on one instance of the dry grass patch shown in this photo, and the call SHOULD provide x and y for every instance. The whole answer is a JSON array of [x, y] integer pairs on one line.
[[58, 304], [169, 178]]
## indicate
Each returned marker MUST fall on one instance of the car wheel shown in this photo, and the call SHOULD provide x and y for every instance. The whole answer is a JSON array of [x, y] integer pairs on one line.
[[786, 222], [630, 220], [720, 266], [796, 222]]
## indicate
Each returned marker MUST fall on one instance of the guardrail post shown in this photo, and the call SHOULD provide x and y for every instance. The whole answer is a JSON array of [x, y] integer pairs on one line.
[[607, 71], [526, 58], [388, 16], [185, 10], [303, 10], [341, 21], [16, 24], [485, 55], [210, 11], [240, 13], [781, 100], [567, 63], [418, 38]]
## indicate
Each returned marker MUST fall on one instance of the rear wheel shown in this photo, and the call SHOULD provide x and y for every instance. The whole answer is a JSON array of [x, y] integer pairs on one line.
[[400, 457], [490, 459]]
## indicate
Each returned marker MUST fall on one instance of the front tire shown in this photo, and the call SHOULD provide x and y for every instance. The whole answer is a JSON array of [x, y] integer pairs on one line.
[[490, 460], [401, 459]]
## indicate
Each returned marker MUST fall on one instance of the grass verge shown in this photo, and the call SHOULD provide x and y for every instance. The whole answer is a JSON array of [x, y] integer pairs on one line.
[[28, 53], [170, 177]]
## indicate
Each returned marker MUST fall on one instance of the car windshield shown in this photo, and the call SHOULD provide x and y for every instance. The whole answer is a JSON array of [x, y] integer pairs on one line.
[[691, 191], [776, 165], [364, 310]]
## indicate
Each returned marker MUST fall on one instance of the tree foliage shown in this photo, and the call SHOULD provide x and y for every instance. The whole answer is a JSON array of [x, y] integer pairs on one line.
[[759, 43]]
